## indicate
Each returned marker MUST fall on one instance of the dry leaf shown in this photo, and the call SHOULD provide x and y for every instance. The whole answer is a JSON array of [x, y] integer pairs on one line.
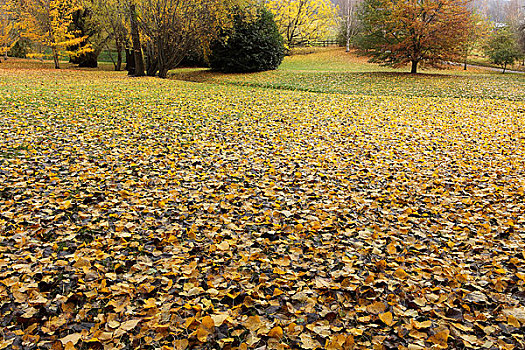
[[276, 332], [387, 318]]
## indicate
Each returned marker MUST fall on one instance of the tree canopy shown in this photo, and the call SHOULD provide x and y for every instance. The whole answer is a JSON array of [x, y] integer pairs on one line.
[[397, 32], [301, 21], [47, 22], [502, 48]]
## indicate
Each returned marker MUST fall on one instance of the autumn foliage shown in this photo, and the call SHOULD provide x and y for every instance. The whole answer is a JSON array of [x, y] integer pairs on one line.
[[154, 214], [398, 32]]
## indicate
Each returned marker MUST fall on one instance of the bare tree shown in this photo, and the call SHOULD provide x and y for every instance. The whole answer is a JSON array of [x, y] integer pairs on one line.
[[301, 21], [172, 28], [114, 15], [349, 21]]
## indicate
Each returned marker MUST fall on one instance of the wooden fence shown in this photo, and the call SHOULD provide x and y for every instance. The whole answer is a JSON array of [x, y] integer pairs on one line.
[[318, 43]]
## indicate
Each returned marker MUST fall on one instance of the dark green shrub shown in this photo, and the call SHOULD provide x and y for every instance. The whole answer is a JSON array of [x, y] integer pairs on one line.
[[252, 45], [20, 49]]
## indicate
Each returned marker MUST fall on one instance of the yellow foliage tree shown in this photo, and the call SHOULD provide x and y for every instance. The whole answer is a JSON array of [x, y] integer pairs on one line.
[[48, 22], [8, 35], [301, 21]]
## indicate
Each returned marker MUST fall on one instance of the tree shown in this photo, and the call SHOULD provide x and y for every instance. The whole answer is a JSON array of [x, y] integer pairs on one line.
[[301, 21], [252, 44], [477, 30], [88, 22], [502, 48], [48, 22], [348, 20], [172, 28], [114, 22], [521, 38], [138, 61], [8, 35], [397, 32]]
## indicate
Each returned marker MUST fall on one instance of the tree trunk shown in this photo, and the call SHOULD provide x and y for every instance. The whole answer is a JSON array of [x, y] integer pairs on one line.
[[130, 62], [347, 42], [118, 66], [55, 58], [163, 72], [152, 69], [135, 37], [414, 67], [504, 68]]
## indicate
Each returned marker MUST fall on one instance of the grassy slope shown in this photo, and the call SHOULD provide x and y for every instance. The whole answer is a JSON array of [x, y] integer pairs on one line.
[[334, 71]]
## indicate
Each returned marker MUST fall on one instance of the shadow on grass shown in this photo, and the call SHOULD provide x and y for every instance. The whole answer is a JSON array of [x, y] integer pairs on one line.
[[448, 83]]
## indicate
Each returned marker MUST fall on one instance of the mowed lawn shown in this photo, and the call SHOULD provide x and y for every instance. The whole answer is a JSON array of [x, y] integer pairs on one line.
[[381, 211]]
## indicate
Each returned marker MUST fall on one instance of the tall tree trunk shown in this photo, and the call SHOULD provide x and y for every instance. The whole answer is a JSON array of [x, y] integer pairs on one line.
[[347, 42], [118, 66], [135, 37], [55, 58], [120, 47], [414, 67], [130, 62]]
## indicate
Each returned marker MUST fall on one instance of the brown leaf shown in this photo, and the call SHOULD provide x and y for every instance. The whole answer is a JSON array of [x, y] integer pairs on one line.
[[129, 325], [440, 338], [376, 308]]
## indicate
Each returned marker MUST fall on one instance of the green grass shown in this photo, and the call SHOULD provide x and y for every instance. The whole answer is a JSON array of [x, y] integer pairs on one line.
[[485, 62], [334, 71]]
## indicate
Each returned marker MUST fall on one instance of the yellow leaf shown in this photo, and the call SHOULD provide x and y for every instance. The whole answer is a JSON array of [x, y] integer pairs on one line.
[[253, 323], [129, 325], [316, 226], [208, 323], [181, 344], [224, 245], [218, 319], [72, 338], [202, 335], [440, 338], [421, 325], [391, 249], [513, 321], [150, 303], [386, 318], [276, 332], [277, 292], [400, 273]]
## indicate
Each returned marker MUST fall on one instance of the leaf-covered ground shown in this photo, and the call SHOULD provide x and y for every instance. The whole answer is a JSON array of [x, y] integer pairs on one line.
[[166, 214]]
